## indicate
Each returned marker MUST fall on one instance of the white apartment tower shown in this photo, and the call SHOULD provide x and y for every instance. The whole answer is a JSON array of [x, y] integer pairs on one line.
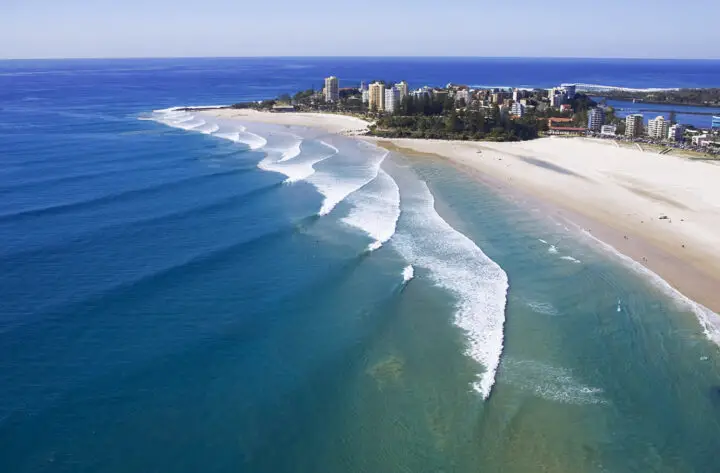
[[658, 128], [392, 99], [402, 88], [332, 89], [376, 96], [633, 125], [596, 119]]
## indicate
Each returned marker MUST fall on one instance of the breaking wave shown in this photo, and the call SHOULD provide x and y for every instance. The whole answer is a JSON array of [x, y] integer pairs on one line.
[[376, 209], [457, 265]]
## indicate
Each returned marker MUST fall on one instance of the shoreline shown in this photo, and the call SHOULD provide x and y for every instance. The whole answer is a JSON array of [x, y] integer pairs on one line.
[[691, 270], [617, 195]]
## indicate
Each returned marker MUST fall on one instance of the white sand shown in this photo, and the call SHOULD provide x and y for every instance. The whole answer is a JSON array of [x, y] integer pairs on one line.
[[617, 194], [332, 123]]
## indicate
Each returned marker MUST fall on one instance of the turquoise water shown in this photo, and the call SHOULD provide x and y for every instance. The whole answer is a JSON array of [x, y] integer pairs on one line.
[[181, 294]]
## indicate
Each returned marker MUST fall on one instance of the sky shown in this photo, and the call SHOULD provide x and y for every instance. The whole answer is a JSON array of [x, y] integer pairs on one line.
[[526, 28]]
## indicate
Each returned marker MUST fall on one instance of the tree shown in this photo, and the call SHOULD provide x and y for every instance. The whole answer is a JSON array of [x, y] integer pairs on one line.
[[451, 121]]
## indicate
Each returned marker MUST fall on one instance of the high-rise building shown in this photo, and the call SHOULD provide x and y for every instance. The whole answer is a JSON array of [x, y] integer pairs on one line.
[[402, 88], [517, 95], [676, 132], [658, 128], [332, 89], [570, 91], [557, 97], [633, 125], [365, 96], [376, 97], [463, 94], [363, 86], [392, 99], [596, 119], [517, 109]]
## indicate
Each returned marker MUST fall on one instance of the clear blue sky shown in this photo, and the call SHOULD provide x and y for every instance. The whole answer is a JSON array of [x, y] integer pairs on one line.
[[159, 28]]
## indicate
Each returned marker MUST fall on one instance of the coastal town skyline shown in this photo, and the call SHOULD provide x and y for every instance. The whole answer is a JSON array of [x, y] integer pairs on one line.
[[513, 103]]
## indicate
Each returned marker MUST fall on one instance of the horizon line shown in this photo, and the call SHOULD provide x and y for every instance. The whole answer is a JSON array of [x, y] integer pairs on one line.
[[99, 58]]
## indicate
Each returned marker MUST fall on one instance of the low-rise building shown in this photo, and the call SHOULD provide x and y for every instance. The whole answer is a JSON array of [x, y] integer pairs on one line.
[[633, 125], [608, 130]]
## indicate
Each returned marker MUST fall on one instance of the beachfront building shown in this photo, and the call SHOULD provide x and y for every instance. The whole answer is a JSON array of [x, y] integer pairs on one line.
[[463, 94], [424, 91], [332, 89], [570, 91], [497, 97], [557, 97], [676, 132], [715, 124], [376, 96], [392, 99], [517, 95], [596, 119], [633, 125], [658, 128], [517, 109], [402, 88], [365, 96], [608, 130]]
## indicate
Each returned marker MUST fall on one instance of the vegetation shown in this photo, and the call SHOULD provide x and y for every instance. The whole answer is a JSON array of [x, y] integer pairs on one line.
[[698, 97], [427, 117]]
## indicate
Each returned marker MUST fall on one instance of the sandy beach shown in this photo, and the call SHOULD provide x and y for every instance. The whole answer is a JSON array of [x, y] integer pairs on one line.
[[340, 124], [660, 210]]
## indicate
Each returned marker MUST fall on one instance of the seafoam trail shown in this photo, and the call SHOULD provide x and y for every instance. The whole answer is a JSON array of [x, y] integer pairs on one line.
[[457, 264]]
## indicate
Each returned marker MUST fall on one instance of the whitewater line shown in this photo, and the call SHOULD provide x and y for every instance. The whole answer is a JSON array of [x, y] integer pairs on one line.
[[456, 264], [376, 209]]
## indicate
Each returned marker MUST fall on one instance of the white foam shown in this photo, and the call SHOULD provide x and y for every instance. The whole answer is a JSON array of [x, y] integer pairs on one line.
[[542, 241], [408, 273], [376, 209], [297, 168], [709, 320], [456, 264], [571, 259], [552, 249], [550, 382], [293, 151], [335, 188], [543, 308], [176, 117]]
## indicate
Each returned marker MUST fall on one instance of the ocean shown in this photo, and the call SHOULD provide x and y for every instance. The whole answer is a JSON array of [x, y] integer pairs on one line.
[[180, 293]]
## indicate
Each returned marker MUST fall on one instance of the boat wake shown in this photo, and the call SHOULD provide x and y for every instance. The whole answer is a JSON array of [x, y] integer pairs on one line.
[[459, 266]]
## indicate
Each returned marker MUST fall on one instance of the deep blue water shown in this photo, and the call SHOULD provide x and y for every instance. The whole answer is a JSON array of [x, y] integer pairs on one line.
[[184, 294]]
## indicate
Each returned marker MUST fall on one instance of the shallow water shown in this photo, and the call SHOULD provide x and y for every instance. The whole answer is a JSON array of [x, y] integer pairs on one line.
[[265, 298]]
